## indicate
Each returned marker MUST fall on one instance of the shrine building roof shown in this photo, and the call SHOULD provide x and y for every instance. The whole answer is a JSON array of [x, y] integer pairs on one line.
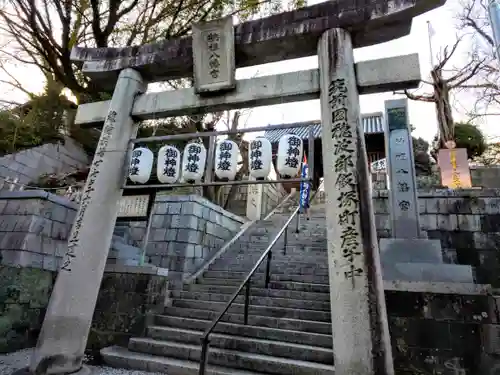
[[372, 124]]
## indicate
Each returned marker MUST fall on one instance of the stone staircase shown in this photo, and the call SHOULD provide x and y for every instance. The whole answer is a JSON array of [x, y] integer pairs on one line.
[[289, 329]]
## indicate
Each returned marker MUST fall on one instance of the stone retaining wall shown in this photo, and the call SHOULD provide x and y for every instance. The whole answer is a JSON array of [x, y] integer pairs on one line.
[[125, 300], [28, 165], [440, 333], [186, 231], [272, 194], [466, 222], [271, 197], [487, 177], [34, 228]]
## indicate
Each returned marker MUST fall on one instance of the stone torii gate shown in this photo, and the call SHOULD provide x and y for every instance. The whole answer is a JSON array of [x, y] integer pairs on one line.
[[331, 30]]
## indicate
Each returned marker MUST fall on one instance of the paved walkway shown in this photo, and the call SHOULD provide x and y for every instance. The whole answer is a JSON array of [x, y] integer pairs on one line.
[[17, 360]]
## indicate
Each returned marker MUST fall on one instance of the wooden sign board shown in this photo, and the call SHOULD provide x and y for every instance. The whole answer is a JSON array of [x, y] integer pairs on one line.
[[454, 166], [133, 208]]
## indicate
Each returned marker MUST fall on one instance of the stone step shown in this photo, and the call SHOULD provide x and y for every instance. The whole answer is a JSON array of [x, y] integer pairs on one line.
[[119, 357], [278, 259], [298, 246], [230, 358], [263, 292], [453, 273], [300, 286], [278, 312], [260, 276], [285, 335], [416, 250], [321, 287], [278, 247], [323, 327], [255, 345], [276, 268], [255, 300], [300, 255]]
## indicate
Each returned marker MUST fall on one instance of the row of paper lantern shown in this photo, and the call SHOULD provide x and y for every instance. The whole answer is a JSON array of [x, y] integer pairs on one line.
[[169, 166]]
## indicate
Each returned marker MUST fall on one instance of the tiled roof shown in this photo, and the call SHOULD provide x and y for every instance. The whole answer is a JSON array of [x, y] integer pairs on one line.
[[372, 124]]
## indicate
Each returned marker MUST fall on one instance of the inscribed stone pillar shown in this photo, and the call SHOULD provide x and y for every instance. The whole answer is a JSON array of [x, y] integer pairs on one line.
[[64, 333], [401, 169], [361, 343], [254, 201]]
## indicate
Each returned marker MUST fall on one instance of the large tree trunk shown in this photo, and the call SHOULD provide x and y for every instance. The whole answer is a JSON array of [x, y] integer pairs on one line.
[[443, 108]]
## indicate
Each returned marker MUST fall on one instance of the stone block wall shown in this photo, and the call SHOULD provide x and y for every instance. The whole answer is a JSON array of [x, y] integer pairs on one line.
[[185, 232], [238, 205], [24, 295], [272, 194], [28, 165], [35, 225], [466, 222], [440, 333], [126, 298], [487, 177], [481, 176], [34, 228]]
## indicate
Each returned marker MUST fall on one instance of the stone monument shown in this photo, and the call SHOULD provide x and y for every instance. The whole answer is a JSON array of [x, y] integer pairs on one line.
[[408, 255], [361, 340], [359, 320]]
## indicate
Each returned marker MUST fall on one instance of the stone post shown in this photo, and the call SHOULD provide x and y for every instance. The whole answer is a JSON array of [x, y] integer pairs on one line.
[[254, 201], [65, 330], [361, 343], [405, 218]]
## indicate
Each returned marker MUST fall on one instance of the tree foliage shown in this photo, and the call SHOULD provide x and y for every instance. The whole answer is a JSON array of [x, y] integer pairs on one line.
[[491, 155], [477, 76], [470, 137], [439, 89], [46, 118], [43, 33], [467, 136], [423, 162], [474, 24]]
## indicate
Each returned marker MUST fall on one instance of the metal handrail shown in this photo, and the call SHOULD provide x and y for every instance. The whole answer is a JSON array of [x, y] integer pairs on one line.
[[205, 340]]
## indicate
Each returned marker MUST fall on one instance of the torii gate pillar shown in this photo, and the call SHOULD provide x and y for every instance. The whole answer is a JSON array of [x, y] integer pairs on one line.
[[63, 338], [361, 343]]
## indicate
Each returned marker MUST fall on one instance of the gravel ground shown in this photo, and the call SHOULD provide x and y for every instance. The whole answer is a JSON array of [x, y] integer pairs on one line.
[[14, 361]]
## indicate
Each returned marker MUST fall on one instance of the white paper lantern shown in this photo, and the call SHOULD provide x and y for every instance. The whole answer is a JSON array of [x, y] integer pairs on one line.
[[141, 165], [260, 157], [226, 160], [290, 148], [193, 162], [168, 165]]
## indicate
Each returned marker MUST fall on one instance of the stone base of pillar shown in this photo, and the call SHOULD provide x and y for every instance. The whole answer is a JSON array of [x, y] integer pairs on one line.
[[419, 259]]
